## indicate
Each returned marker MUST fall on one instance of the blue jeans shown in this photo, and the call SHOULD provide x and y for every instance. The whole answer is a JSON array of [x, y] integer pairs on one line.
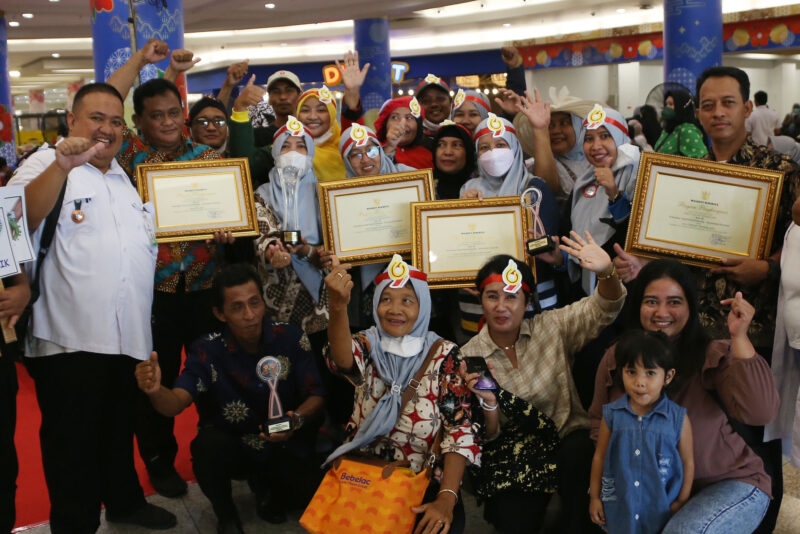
[[722, 508]]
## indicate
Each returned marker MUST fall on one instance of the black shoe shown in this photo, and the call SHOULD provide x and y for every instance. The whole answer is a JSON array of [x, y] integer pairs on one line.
[[169, 484], [270, 510], [148, 516], [229, 526]]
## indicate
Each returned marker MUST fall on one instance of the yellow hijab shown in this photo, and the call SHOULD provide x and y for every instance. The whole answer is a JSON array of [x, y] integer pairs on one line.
[[328, 163]]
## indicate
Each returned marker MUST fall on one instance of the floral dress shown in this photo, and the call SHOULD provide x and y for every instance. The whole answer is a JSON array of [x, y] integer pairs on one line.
[[442, 402]]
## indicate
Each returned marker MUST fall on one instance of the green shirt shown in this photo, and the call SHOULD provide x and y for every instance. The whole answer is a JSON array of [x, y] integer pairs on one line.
[[685, 140]]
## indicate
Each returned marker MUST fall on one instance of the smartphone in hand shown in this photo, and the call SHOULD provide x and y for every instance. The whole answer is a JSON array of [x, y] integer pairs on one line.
[[476, 364]]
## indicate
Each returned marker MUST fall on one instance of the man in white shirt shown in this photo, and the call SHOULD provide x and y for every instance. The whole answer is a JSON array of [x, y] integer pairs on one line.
[[91, 323], [762, 122]]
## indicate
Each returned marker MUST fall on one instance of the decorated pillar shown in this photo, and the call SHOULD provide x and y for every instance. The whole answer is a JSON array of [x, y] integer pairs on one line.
[[692, 39], [372, 45], [112, 39], [72, 90], [8, 149]]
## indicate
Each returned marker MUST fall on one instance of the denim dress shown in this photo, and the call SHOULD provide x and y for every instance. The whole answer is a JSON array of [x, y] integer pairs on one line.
[[643, 473]]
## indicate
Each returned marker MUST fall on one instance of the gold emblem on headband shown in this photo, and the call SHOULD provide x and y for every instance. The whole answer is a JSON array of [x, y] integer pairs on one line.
[[432, 78], [512, 278], [415, 108], [359, 134], [459, 99], [447, 122], [495, 125], [596, 117], [325, 95], [294, 126], [398, 272]]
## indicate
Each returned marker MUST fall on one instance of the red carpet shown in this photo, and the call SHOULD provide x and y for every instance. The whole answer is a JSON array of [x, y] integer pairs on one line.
[[33, 505]]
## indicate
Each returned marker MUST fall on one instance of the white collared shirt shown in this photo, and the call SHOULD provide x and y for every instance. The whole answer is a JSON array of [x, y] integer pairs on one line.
[[97, 278]]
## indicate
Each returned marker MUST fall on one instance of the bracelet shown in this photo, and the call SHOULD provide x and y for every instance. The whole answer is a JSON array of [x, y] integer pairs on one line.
[[449, 491], [609, 275], [486, 406], [310, 252]]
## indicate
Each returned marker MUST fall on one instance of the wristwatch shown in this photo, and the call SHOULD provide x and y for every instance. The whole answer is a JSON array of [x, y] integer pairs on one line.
[[297, 420], [616, 197]]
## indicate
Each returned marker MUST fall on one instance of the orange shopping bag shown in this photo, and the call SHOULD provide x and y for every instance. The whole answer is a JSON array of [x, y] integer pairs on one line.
[[365, 495]]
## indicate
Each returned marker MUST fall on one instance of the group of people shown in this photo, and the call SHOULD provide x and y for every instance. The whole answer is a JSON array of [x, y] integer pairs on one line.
[[635, 390]]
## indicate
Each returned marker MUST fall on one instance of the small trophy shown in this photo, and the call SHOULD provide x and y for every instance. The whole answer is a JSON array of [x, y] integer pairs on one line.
[[531, 199], [290, 178], [270, 369]]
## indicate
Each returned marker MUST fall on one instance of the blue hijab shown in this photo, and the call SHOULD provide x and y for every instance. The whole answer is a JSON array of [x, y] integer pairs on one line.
[[394, 370]]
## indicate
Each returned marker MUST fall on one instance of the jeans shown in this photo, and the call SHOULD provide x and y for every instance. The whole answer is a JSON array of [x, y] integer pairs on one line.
[[726, 507]]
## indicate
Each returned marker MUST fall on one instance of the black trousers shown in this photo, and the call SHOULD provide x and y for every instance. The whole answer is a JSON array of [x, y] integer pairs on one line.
[[86, 401], [178, 320], [515, 512], [9, 468], [219, 456]]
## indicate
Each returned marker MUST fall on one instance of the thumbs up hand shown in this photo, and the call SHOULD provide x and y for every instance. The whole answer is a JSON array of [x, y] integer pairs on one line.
[[251, 95], [148, 375], [628, 265]]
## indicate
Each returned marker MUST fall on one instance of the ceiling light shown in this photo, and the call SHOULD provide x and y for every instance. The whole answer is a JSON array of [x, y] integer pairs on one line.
[[506, 24], [494, 91], [14, 73], [268, 6], [56, 55], [621, 10], [452, 93], [54, 1], [72, 71], [284, 44], [399, 91], [27, 15], [486, 91], [13, 23]]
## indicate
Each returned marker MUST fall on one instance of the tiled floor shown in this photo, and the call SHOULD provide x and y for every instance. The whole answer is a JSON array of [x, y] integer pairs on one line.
[[196, 517]]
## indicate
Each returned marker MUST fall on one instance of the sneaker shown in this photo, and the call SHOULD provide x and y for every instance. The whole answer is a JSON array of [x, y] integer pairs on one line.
[[270, 510], [169, 484], [148, 516]]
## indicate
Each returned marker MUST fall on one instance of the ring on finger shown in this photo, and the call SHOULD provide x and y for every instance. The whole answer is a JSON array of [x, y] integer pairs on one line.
[[340, 275]]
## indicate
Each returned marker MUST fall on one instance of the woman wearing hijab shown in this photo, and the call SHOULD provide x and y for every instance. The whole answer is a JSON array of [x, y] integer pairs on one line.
[[316, 109], [785, 145], [293, 288], [388, 355], [399, 127], [470, 107], [680, 135], [453, 159], [363, 154]]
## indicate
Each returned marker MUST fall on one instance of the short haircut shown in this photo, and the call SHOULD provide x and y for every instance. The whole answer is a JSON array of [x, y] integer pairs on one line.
[[654, 348], [98, 87], [760, 97], [719, 72], [497, 265], [149, 89], [205, 103], [232, 275]]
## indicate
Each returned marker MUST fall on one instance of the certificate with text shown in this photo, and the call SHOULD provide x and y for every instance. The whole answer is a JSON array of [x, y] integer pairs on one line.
[[368, 219], [194, 199], [700, 211], [453, 239]]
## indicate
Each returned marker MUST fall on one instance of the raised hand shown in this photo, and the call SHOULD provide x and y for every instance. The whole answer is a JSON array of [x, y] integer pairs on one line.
[[509, 101], [591, 256], [605, 179], [251, 95], [394, 134], [740, 316], [278, 256], [148, 375], [628, 265], [182, 60], [73, 152], [511, 56], [339, 284], [154, 51], [236, 72], [352, 77], [535, 109]]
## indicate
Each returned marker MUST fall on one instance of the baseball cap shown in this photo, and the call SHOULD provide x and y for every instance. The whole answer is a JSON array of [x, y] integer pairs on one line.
[[289, 76]]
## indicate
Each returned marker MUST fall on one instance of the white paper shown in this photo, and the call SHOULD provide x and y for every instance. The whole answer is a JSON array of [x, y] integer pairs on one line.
[[8, 264], [12, 200]]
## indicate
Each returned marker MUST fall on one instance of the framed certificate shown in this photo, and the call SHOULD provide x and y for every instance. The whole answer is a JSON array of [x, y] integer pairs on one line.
[[367, 220], [700, 211], [194, 199], [454, 238]]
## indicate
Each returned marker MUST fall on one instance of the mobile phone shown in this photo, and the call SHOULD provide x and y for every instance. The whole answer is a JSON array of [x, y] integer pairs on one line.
[[476, 364]]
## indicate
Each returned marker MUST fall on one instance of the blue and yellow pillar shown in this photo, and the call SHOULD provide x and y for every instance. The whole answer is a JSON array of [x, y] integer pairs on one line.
[[692, 39], [372, 44], [8, 147]]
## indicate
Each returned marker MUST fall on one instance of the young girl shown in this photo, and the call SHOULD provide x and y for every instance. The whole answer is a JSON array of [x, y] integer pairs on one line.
[[643, 465]]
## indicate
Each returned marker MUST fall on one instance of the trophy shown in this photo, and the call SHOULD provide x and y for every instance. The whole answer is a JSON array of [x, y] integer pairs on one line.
[[270, 369], [531, 199], [290, 178]]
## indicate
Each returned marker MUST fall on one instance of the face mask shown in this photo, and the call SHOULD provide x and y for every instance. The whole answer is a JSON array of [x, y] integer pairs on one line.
[[667, 114], [496, 162], [292, 159]]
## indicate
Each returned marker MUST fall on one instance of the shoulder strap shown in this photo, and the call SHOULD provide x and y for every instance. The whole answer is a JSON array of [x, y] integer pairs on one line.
[[413, 384], [46, 240]]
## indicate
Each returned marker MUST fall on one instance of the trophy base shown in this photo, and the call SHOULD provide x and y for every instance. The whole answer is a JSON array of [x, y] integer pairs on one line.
[[278, 425], [539, 245], [292, 237]]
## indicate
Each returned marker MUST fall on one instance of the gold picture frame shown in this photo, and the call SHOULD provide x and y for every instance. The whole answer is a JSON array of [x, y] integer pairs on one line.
[[460, 247], [194, 199], [701, 211], [368, 219]]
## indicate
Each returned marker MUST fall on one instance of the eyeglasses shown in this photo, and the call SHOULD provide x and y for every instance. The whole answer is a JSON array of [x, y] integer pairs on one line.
[[371, 153], [204, 122]]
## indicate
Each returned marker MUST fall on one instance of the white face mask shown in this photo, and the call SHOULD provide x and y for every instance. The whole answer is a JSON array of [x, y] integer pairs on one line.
[[405, 347], [497, 161], [292, 159]]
